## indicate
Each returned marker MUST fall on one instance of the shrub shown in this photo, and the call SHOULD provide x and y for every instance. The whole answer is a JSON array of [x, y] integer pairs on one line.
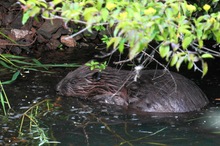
[[178, 28]]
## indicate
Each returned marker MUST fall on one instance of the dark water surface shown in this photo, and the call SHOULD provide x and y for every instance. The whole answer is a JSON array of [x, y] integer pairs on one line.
[[79, 123]]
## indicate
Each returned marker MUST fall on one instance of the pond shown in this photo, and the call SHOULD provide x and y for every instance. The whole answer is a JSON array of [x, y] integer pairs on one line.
[[74, 122]]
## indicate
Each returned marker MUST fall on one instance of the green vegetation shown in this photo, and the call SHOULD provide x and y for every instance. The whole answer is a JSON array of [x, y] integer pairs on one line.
[[96, 65], [175, 29], [19, 64], [36, 132], [4, 99], [178, 29]]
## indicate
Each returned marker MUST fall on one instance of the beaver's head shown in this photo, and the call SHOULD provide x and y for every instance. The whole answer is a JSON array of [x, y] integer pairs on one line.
[[77, 82], [92, 84]]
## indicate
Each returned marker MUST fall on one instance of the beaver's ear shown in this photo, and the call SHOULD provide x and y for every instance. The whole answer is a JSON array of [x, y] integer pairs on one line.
[[96, 76]]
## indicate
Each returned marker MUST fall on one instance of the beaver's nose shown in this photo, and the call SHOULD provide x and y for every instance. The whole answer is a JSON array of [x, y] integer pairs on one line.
[[58, 91]]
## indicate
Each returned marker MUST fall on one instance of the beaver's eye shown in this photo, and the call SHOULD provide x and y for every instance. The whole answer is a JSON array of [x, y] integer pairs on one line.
[[73, 81], [96, 76]]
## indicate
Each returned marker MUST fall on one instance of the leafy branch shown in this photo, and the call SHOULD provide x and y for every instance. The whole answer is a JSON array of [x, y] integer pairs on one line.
[[174, 26], [96, 65]]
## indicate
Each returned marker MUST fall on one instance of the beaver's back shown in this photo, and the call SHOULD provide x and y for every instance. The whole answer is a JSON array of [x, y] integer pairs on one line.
[[160, 91]]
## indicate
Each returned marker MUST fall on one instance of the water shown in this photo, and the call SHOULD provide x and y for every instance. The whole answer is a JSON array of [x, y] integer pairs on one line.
[[112, 128], [76, 122]]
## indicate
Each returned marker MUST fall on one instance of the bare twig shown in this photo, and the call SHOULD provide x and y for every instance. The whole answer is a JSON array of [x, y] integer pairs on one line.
[[108, 54]]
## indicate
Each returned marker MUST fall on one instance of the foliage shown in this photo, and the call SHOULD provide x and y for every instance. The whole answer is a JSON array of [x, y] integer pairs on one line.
[[178, 28], [37, 132], [20, 64], [96, 65], [4, 99]]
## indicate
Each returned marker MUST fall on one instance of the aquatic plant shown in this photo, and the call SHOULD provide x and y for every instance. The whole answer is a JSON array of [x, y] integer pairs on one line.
[[30, 117], [4, 99], [19, 64]]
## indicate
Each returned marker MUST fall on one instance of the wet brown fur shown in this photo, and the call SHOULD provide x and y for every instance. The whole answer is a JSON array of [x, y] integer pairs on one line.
[[154, 91]]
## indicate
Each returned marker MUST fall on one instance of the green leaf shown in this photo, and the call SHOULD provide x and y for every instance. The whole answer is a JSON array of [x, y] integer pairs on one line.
[[110, 42], [187, 41], [6, 66], [190, 65], [2, 102], [114, 40], [44, 4], [169, 12], [12, 56], [179, 62], [174, 60], [168, 55], [117, 41], [46, 14], [217, 36], [200, 43], [14, 77], [204, 68], [184, 29], [35, 10], [21, 62], [111, 22], [159, 38], [121, 46], [207, 26], [55, 2], [183, 6], [99, 4], [199, 32], [105, 14], [207, 56], [164, 50], [38, 63], [134, 51], [89, 13], [25, 17]]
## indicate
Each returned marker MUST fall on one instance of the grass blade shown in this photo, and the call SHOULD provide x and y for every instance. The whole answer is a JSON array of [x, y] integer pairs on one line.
[[22, 62], [14, 77], [10, 56], [2, 102], [38, 63], [7, 66]]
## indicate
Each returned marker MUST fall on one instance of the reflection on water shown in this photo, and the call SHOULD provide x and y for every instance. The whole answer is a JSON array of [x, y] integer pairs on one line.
[[77, 122]]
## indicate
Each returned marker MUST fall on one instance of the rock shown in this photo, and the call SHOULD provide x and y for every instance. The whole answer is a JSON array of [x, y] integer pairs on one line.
[[20, 34], [17, 21], [8, 18], [49, 27], [53, 44], [59, 32], [41, 39], [68, 41], [16, 50]]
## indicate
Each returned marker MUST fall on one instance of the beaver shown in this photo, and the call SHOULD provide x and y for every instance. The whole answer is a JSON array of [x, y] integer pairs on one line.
[[153, 91]]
